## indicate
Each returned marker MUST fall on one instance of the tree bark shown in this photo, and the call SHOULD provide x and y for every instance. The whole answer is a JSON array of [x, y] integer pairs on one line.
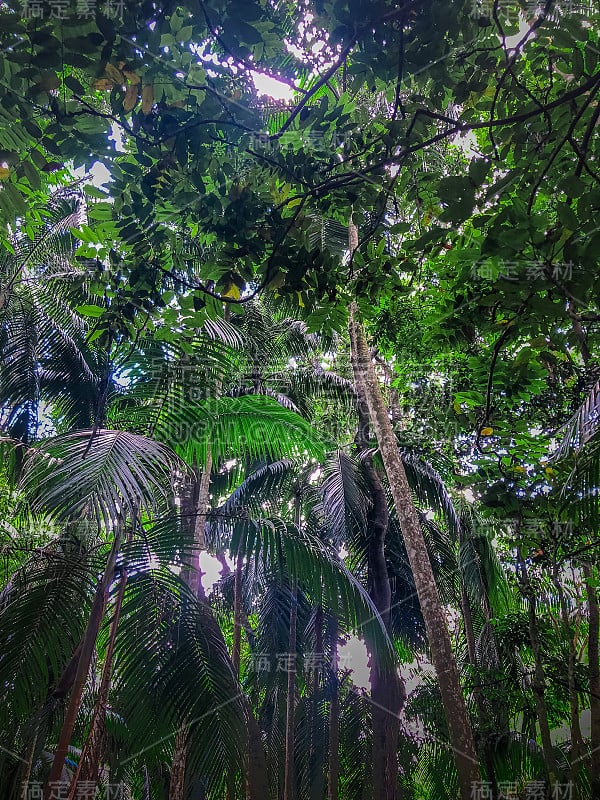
[[316, 760], [289, 781], [538, 683], [83, 667], [93, 749], [237, 617], [236, 649], [482, 715], [257, 775], [387, 690], [459, 725], [177, 774], [577, 743], [289, 784], [333, 777], [194, 510], [594, 679]]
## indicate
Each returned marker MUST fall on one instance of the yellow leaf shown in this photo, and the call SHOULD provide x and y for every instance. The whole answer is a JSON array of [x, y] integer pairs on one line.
[[232, 292], [300, 300], [549, 471], [519, 469], [487, 431], [4, 173], [147, 98], [130, 99], [457, 408]]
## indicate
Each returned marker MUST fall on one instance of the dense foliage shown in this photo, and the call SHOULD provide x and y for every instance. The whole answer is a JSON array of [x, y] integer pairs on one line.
[[341, 344]]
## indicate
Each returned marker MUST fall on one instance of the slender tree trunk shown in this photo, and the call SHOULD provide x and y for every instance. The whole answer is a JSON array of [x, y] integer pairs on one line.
[[289, 785], [28, 757], [146, 794], [237, 616], [539, 691], [62, 688], [316, 761], [387, 690], [459, 725], [194, 509], [83, 667], [388, 694], [333, 778], [257, 777], [257, 784], [236, 649], [289, 781], [594, 679], [577, 743], [177, 774], [538, 683], [93, 749], [482, 715]]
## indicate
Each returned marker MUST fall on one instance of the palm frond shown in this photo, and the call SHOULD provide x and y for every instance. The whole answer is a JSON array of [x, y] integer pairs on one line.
[[328, 234], [42, 619], [174, 673], [582, 425], [346, 499], [266, 482], [429, 487], [255, 426], [107, 472], [299, 556]]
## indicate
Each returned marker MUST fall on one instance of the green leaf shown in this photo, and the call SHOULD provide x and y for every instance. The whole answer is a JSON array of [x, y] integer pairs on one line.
[[567, 216], [90, 311]]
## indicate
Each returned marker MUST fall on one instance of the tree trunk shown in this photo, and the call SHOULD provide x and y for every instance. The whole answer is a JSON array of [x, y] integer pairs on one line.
[[93, 749], [62, 688], [289, 785], [482, 715], [237, 617], [289, 781], [194, 510], [257, 775], [83, 667], [539, 692], [594, 679], [334, 722], [538, 683], [577, 743], [315, 758], [459, 725], [236, 649], [387, 690], [177, 775]]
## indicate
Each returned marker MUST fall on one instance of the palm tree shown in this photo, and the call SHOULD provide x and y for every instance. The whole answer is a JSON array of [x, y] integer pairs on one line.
[[44, 349], [117, 478], [579, 451], [369, 392]]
